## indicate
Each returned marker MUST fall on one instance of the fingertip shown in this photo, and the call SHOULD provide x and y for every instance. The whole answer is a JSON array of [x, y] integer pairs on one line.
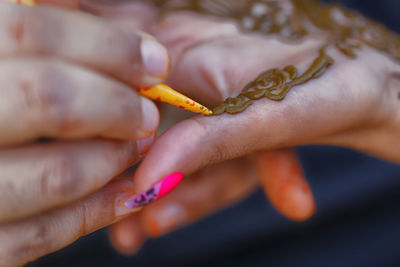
[[285, 185], [153, 228], [169, 183], [155, 60], [296, 203], [150, 118], [162, 218], [144, 145], [127, 236], [155, 192]]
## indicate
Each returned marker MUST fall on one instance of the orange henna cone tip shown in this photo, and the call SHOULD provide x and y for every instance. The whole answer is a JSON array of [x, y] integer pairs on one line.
[[166, 94], [156, 192]]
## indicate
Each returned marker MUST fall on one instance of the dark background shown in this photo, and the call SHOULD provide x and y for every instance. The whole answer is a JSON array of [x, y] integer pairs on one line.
[[357, 221]]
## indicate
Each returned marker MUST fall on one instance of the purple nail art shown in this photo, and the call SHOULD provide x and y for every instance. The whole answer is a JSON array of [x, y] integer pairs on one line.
[[157, 191], [144, 198]]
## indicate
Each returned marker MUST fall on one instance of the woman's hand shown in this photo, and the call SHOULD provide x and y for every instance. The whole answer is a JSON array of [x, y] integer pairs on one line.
[[68, 77], [354, 104], [218, 186]]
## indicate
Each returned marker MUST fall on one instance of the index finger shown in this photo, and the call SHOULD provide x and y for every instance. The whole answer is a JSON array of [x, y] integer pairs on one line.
[[136, 59]]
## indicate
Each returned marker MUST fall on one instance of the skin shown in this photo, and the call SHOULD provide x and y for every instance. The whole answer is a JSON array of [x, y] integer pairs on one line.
[[216, 187], [202, 66], [355, 105], [68, 77]]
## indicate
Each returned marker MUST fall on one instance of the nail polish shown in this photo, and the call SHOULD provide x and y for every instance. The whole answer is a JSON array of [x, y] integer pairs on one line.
[[120, 210], [157, 191]]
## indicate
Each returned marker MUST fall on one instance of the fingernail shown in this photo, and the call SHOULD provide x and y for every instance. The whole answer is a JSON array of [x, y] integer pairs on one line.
[[150, 117], [157, 191], [144, 145], [155, 58], [120, 210]]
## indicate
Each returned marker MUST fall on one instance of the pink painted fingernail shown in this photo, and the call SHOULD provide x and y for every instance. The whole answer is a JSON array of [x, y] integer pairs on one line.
[[120, 210], [124, 193], [156, 192]]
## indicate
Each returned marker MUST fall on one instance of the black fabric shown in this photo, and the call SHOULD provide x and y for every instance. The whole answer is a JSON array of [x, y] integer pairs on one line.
[[357, 221]]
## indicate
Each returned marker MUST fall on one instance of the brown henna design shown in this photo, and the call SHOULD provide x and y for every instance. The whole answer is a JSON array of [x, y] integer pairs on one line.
[[274, 84], [291, 20]]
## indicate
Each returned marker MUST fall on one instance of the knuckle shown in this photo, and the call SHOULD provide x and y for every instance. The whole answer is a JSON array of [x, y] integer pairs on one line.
[[128, 111], [124, 153], [47, 94], [39, 241], [59, 178], [117, 48], [31, 29], [35, 241], [83, 218]]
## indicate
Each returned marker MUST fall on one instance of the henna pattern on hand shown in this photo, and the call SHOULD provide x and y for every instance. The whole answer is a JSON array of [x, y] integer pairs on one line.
[[291, 20]]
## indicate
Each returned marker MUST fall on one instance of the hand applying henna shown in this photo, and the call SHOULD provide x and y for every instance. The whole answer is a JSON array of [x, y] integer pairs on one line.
[[67, 77]]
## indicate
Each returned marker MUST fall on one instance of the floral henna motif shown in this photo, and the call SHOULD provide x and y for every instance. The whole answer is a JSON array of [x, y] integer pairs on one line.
[[291, 20], [274, 84]]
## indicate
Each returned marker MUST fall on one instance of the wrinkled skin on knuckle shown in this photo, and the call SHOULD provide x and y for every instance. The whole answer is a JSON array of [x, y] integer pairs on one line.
[[38, 242], [33, 30], [23, 242], [49, 96], [130, 112], [123, 154], [60, 178], [120, 50], [10, 188], [86, 219]]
